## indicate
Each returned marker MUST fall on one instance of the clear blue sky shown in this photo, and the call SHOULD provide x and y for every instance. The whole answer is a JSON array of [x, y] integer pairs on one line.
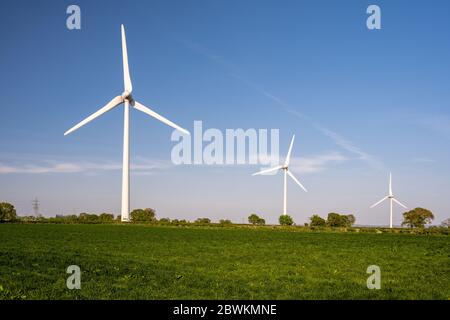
[[361, 103]]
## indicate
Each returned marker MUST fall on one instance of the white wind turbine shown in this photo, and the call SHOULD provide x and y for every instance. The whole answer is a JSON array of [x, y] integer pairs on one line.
[[391, 198], [285, 168], [127, 99]]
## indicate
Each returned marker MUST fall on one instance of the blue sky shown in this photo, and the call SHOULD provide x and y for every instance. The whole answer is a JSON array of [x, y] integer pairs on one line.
[[361, 103]]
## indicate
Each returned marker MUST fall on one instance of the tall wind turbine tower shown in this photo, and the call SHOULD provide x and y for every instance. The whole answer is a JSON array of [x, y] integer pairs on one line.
[[128, 100], [286, 172], [392, 199]]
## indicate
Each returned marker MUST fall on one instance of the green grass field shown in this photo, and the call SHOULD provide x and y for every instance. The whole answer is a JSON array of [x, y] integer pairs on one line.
[[150, 262]]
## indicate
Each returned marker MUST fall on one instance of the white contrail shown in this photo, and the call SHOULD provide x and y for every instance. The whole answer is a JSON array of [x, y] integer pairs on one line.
[[237, 74]]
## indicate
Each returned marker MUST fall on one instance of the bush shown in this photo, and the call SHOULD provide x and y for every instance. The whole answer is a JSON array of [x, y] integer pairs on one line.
[[203, 221], [164, 221], [225, 222], [7, 212], [143, 215], [438, 230], [28, 219], [182, 222], [317, 221], [256, 220], [286, 220], [83, 218], [340, 220], [62, 219], [334, 219], [106, 218]]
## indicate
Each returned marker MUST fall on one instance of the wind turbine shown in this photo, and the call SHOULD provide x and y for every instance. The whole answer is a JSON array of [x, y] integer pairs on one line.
[[391, 198], [285, 168], [127, 99]]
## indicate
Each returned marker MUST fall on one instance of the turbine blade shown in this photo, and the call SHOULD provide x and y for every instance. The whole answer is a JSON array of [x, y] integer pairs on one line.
[[267, 170], [112, 104], [296, 180], [374, 205], [126, 71], [398, 202], [288, 157], [155, 115]]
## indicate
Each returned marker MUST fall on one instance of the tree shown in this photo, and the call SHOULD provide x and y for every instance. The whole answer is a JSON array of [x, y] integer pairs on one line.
[[351, 219], [340, 220], [87, 218], [334, 220], [317, 221], [286, 220], [203, 221], [164, 221], [256, 220], [225, 222], [417, 218], [82, 216], [64, 219], [446, 223], [7, 212], [106, 217], [143, 215], [253, 218]]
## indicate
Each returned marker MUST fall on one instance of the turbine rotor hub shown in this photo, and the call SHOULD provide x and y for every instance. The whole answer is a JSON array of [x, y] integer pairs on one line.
[[127, 95]]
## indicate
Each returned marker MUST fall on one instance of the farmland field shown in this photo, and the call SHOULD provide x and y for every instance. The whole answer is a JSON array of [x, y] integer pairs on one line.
[[151, 262]]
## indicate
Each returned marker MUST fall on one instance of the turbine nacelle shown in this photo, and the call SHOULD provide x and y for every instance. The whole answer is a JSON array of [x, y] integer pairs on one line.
[[126, 95]]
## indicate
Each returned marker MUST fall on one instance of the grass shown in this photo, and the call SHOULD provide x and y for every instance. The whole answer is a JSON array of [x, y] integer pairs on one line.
[[154, 262]]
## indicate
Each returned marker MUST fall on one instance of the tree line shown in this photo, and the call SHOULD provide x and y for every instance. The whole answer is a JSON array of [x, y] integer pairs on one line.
[[148, 215], [333, 220], [416, 218]]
